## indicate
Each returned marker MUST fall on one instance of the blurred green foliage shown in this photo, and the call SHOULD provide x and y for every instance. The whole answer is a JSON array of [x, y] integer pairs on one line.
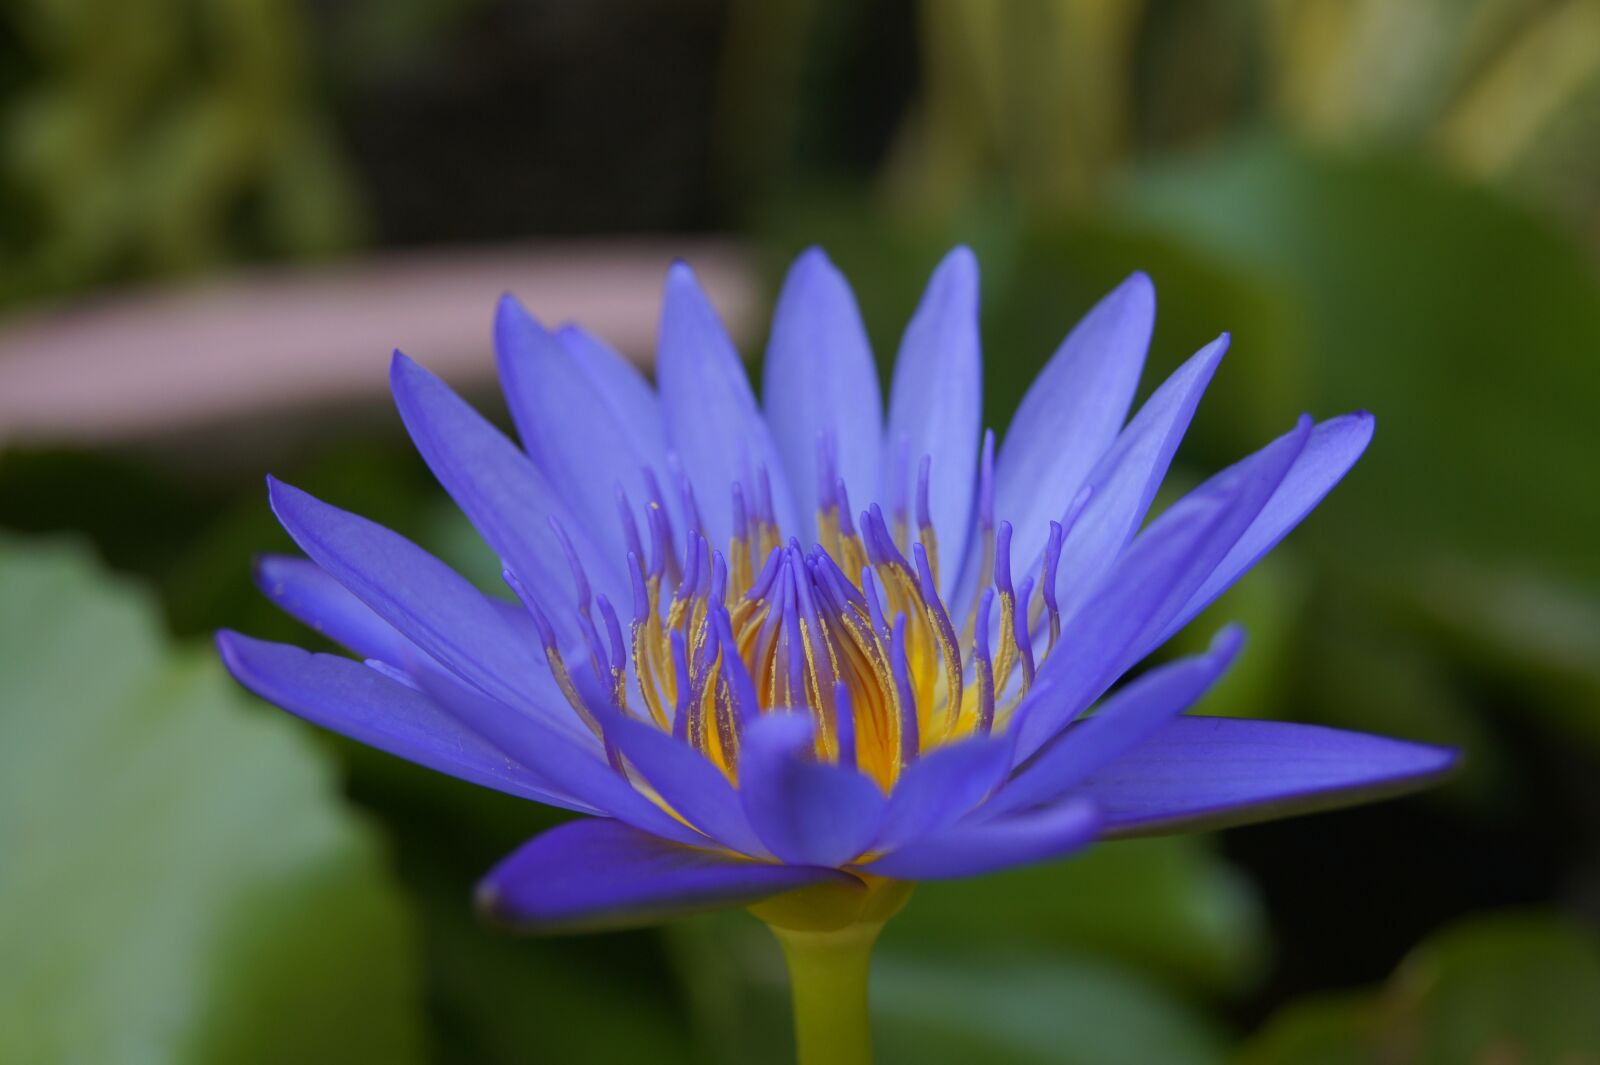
[[181, 880], [160, 137], [1514, 987]]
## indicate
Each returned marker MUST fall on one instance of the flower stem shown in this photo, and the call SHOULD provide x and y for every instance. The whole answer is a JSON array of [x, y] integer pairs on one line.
[[828, 977], [827, 932]]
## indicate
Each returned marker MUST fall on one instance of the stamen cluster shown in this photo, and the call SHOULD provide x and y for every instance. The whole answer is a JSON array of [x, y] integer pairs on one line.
[[853, 630]]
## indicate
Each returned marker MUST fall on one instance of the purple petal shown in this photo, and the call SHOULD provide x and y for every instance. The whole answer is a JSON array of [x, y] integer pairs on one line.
[[1125, 481], [805, 812], [1333, 448], [433, 606], [566, 425], [1147, 585], [301, 589], [936, 402], [712, 421], [1207, 772], [627, 394], [820, 380], [1126, 720], [969, 848], [595, 874], [687, 781], [579, 769], [355, 701], [941, 786], [1072, 413], [506, 497]]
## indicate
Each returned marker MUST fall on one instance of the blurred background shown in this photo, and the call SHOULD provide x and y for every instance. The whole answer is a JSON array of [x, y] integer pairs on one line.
[[217, 218]]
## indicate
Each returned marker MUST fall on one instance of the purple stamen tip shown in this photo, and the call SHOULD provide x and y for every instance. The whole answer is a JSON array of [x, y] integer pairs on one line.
[[573, 563], [844, 724], [924, 470], [680, 666], [719, 578], [1052, 559], [641, 595], [769, 513], [1002, 557], [769, 573], [630, 528], [910, 741], [547, 633], [842, 499], [741, 517]]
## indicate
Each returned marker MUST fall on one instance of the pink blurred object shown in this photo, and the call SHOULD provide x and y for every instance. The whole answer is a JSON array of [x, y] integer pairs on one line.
[[154, 361]]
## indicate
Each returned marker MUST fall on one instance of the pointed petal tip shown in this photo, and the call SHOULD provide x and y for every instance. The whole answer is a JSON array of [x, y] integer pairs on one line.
[[813, 258], [959, 264], [400, 365], [681, 275], [1228, 641], [1138, 288]]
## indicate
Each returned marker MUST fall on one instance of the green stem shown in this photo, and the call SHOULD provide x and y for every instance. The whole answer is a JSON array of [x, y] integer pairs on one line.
[[828, 976], [827, 932]]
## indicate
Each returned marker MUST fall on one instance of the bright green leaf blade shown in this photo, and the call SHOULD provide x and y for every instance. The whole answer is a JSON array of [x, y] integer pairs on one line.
[[180, 882]]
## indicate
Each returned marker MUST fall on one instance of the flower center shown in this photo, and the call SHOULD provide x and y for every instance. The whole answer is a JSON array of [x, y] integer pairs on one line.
[[853, 630]]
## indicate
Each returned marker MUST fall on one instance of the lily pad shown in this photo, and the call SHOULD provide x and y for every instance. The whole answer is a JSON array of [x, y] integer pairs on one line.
[[181, 881]]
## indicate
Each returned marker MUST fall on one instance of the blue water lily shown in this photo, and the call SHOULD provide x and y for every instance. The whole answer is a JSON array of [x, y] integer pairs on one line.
[[802, 645]]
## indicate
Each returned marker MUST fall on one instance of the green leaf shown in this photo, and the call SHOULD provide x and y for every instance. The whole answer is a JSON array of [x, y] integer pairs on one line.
[[1510, 987], [1323, 1030], [180, 882], [1169, 906]]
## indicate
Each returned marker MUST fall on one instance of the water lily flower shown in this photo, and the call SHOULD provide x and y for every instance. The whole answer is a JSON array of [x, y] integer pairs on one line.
[[798, 656]]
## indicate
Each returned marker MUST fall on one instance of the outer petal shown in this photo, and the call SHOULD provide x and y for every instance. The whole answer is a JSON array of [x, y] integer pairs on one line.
[[1127, 719], [712, 420], [600, 874], [969, 848], [301, 589], [508, 499], [1333, 448], [936, 404], [1208, 772], [1072, 413], [433, 606], [577, 769], [937, 789], [820, 379], [688, 782], [805, 812], [1148, 584], [568, 428], [1126, 479], [355, 701]]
